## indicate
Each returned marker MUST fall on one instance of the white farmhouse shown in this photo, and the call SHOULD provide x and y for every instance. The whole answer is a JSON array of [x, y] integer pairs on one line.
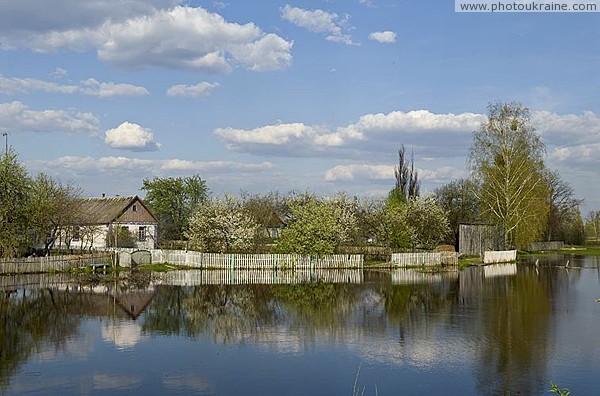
[[108, 217]]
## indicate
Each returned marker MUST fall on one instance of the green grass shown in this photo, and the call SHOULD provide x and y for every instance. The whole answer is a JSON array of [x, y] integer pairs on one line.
[[469, 261]]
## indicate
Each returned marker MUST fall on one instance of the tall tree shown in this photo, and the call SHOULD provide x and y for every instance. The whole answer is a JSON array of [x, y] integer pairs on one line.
[[14, 206], [407, 179], [173, 201], [507, 159]]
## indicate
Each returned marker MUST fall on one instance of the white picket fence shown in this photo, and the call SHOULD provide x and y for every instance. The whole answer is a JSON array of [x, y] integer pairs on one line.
[[255, 261], [51, 263], [499, 256], [424, 259]]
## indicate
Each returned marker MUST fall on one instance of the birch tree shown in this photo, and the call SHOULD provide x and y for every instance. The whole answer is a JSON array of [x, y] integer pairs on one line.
[[507, 159]]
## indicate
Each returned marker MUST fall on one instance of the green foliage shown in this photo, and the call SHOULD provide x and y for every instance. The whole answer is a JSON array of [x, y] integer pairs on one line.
[[554, 388], [14, 206], [394, 229], [317, 226], [223, 225], [173, 201], [507, 160]]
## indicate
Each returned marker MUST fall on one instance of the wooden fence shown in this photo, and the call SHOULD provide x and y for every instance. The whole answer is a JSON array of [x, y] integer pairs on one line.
[[258, 277], [501, 256], [474, 239], [424, 259], [31, 265], [255, 261]]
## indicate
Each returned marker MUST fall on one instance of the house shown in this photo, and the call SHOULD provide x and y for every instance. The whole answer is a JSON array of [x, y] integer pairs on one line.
[[102, 221]]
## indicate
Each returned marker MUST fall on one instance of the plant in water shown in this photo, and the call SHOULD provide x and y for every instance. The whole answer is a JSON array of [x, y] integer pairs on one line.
[[559, 391]]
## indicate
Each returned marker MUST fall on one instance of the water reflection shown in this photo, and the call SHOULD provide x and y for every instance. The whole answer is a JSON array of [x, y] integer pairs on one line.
[[494, 327]]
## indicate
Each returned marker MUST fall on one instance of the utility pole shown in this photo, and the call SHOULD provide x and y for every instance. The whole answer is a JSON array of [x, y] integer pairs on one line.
[[5, 134]]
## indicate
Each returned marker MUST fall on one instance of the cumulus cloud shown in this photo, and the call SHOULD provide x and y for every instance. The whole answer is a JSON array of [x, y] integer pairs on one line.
[[90, 87], [298, 139], [192, 91], [179, 37], [383, 37], [15, 116], [130, 136], [319, 21]]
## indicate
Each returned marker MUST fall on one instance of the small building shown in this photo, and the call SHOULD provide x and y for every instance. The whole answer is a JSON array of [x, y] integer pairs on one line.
[[102, 221]]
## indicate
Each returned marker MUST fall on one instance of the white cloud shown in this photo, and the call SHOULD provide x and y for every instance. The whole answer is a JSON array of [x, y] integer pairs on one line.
[[15, 116], [110, 89], [180, 38], [373, 173], [298, 139], [89, 87], [318, 21], [383, 37], [364, 171], [130, 136], [143, 167], [193, 91]]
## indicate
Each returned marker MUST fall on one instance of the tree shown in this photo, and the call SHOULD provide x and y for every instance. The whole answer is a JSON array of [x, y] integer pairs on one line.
[[563, 215], [428, 220], [223, 225], [317, 226], [407, 179], [459, 201], [53, 206], [506, 158], [592, 222], [173, 201], [14, 206]]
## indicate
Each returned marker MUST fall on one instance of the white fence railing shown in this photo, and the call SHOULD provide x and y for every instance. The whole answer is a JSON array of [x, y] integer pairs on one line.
[[424, 259], [500, 256]]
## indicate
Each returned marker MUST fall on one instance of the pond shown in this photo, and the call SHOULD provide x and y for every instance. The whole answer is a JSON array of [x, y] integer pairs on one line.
[[495, 330]]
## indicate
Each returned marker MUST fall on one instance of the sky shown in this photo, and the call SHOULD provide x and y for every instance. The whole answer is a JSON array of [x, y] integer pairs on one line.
[[270, 95]]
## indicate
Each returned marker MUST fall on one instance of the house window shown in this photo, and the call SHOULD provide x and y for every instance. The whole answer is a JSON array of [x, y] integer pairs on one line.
[[142, 236], [134, 208]]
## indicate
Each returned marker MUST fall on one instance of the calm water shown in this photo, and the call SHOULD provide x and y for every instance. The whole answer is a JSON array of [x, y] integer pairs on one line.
[[498, 330]]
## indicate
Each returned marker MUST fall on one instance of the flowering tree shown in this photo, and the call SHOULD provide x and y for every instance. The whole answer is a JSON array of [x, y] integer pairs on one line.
[[428, 221], [222, 225]]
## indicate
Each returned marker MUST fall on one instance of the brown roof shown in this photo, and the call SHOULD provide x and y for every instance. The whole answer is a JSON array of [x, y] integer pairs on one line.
[[107, 209]]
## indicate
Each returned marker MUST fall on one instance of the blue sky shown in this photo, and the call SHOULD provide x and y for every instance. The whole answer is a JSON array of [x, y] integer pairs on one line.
[[276, 95]]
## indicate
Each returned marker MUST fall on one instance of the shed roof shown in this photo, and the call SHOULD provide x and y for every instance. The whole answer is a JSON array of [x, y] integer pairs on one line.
[[106, 209]]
